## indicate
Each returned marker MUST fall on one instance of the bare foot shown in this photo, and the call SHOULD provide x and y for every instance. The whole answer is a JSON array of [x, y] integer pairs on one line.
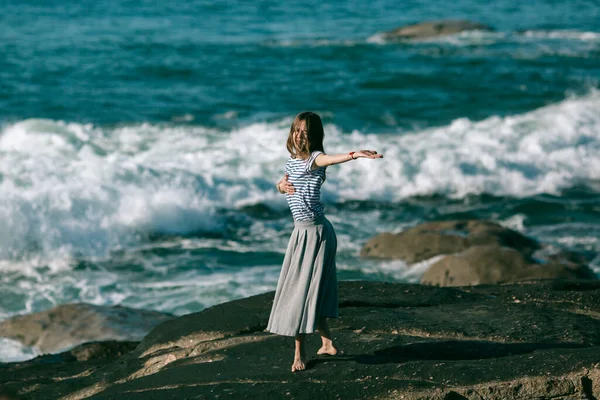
[[327, 349], [299, 364]]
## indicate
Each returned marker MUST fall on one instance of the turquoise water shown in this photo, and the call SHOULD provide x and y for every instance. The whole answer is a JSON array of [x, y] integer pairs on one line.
[[140, 143]]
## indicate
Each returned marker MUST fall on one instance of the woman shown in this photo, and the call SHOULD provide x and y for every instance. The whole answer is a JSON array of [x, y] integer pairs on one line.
[[307, 289]]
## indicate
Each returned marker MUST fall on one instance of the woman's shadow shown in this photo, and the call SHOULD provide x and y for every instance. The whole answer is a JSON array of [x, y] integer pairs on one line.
[[444, 350]]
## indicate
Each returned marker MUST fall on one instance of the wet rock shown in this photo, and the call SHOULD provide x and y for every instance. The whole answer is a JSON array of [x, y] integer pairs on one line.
[[430, 239], [494, 264], [430, 29], [68, 325], [109, 350]]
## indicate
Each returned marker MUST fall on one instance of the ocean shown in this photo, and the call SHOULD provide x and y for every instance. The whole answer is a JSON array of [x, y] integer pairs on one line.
[[140, 142]]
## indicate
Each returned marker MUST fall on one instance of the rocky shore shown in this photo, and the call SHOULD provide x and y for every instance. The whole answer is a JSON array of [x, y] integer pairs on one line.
[[518, 341], [497, 316]]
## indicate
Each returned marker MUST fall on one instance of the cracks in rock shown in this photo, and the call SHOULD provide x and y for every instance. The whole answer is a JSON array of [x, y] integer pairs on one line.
[[219, 344], [156, 363], [357, 303], [253, 329], [85, 373], [194, 339], [197, 354], [184, 342], [87, 391], [251, 382], [202, 359]]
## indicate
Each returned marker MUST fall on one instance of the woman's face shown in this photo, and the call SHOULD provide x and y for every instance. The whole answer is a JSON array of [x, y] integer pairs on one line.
[[300, 135]]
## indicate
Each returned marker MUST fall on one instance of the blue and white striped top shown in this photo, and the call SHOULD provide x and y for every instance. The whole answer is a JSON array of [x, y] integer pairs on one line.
[[305, 204]]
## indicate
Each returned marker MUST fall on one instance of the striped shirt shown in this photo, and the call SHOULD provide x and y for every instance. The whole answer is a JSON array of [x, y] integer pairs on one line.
[[305, 204]]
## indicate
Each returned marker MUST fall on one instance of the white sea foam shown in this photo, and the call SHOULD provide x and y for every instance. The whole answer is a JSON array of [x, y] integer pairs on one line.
[[532, 36], [293, 43], [515, 222], [479, 37], [468, 38], [540, 151], [527, 45], [564, 34], [71, 189], [14, 351], [394, 270]]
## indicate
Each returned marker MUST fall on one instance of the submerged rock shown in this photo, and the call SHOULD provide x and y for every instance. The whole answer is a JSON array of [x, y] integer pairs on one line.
[[538, 340], [68, 325], [429, 29], [494, 264], [430, 239], [475, 252]]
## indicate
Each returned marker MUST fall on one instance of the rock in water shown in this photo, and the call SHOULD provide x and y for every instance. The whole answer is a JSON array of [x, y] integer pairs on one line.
[[475, 252], [68, 325], [494, 264], [432, 29], [430, 239]]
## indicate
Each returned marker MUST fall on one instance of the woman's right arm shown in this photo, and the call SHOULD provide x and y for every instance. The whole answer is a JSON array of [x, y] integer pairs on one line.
[[284, 186]]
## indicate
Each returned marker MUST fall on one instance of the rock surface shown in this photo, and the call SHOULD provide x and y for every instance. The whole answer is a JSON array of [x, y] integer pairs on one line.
[[537, 340], [68, 325], [429, 29], [430, 239], [473, 252], [494, 264]]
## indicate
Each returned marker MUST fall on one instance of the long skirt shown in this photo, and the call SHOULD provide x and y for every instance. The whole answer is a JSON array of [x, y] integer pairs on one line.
[[307, 287]]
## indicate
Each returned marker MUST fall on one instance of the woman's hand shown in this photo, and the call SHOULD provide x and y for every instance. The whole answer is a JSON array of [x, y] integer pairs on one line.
[[285, 186], [366, 154]]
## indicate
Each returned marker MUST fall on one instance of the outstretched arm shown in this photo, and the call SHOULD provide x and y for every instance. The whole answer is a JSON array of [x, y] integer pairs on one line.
[[323, 160]]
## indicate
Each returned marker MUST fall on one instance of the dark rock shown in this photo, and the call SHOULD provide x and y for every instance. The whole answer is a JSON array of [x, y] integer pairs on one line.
[[109, 350], [429, 29], [430, 239], [8, 394], [571, 258], [493, 264], [68, 325], [536, 340], [93, 351]]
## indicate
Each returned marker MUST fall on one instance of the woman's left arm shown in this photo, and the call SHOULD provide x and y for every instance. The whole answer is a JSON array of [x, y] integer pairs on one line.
[[324, 160]]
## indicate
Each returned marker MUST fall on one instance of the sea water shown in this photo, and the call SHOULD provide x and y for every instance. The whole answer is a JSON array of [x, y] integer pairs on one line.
[[140, 142]]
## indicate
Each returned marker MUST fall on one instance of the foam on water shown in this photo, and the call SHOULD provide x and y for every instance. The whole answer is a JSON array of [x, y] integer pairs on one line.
[[13, 351], [396, 270], [71, 189], [541, 151], [466, 38], [474, 37], [526, 45], [563, 34]]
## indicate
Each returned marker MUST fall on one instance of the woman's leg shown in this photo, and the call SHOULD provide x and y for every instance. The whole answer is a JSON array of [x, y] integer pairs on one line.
[[327, 342], [300, 354]]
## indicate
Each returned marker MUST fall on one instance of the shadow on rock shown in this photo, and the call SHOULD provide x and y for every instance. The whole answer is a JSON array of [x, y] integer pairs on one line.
[[587, 389], [455, 350]]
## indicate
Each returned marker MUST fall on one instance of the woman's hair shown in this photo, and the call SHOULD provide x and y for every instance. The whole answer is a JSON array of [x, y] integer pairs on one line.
[[314, 135]]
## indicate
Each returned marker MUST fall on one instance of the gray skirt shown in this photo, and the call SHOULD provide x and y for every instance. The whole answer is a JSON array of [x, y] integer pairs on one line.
[[307, 287]]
